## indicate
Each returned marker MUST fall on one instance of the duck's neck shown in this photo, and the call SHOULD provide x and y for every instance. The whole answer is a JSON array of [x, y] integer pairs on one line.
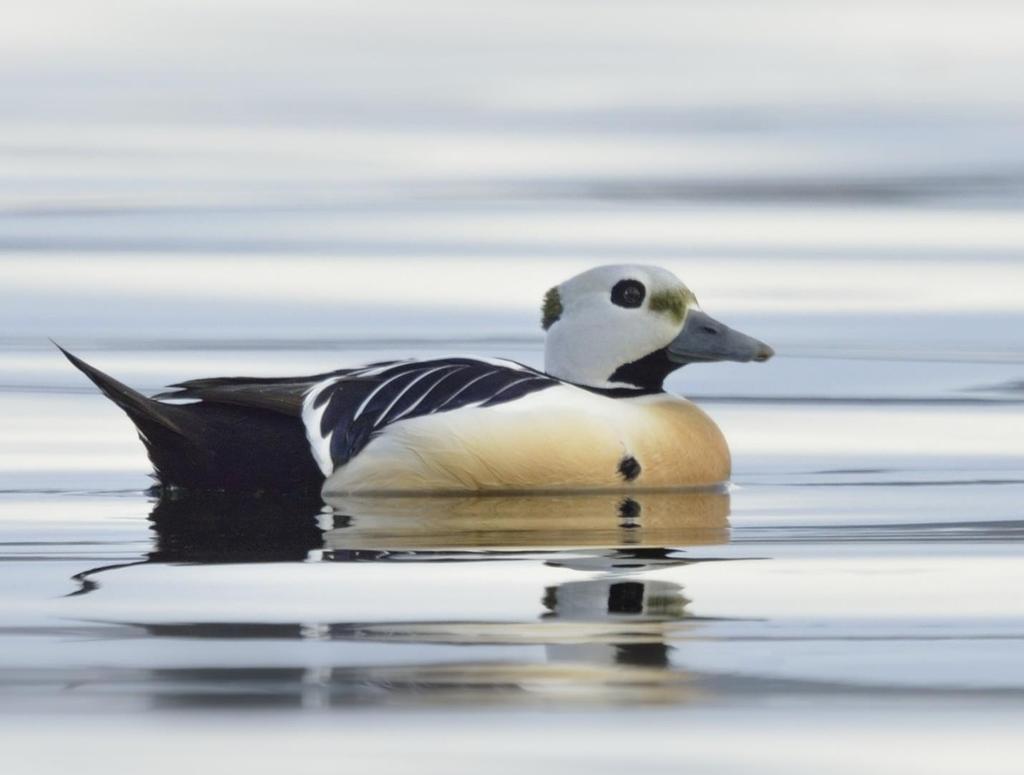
[[646, 374], [609, 375], [642, 377]]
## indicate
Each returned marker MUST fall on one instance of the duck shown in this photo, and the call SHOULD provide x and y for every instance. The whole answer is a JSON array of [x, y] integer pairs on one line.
[[597, 417]]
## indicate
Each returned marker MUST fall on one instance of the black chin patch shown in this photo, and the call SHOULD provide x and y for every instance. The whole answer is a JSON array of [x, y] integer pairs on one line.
[[647, 373]]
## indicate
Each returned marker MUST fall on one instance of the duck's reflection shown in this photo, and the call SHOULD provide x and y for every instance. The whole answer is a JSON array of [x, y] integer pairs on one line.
[[528, 522], [607, 624], [220, 528]]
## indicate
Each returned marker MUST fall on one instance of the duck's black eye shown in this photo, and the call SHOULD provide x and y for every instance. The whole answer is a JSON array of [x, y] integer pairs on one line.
[[628, 293]]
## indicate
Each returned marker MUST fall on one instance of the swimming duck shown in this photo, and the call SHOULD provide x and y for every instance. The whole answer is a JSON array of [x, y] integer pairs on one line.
[[596, 417]]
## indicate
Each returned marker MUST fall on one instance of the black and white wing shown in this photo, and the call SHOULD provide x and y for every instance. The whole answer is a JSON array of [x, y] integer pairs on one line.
[[344, 411]]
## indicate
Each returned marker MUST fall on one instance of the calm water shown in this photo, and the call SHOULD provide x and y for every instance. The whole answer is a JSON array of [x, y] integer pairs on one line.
[[864, 570], [177, 202]]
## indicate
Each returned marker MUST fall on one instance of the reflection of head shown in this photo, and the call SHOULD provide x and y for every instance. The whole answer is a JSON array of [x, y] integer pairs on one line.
[[601, 599]]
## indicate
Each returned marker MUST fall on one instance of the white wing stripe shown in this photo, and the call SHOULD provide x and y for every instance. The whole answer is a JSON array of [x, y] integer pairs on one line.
[[319, 445], [461, 389], [405, 390], [373, 371], [429, 390], [375, 391], [509, 386]]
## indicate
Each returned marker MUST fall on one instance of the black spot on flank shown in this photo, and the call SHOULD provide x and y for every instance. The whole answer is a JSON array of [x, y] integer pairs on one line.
[[629, 468], [629, 509]]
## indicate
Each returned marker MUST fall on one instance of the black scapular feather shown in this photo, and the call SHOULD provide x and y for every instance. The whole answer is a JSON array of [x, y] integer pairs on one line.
[[358, 407]]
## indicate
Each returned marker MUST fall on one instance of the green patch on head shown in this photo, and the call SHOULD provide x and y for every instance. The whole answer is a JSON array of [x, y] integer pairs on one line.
[[551, 309], [672, 302]]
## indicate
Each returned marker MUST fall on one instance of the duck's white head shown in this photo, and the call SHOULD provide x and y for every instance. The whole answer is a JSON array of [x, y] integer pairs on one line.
[[630, 327]]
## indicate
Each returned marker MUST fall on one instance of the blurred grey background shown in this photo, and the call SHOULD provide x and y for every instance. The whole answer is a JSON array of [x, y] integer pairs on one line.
[[842, 176]]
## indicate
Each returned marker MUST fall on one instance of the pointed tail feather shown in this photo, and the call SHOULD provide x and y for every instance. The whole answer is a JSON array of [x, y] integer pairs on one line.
[[136, 405], [212, 446]]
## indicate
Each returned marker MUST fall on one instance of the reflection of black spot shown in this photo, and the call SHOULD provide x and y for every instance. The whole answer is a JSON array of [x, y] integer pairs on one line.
[[629, 468], [629, 509], [626, 597]]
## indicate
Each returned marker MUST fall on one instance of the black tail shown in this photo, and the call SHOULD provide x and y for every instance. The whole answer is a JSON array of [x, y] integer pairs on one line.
[[212, 446], [142, 410]]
